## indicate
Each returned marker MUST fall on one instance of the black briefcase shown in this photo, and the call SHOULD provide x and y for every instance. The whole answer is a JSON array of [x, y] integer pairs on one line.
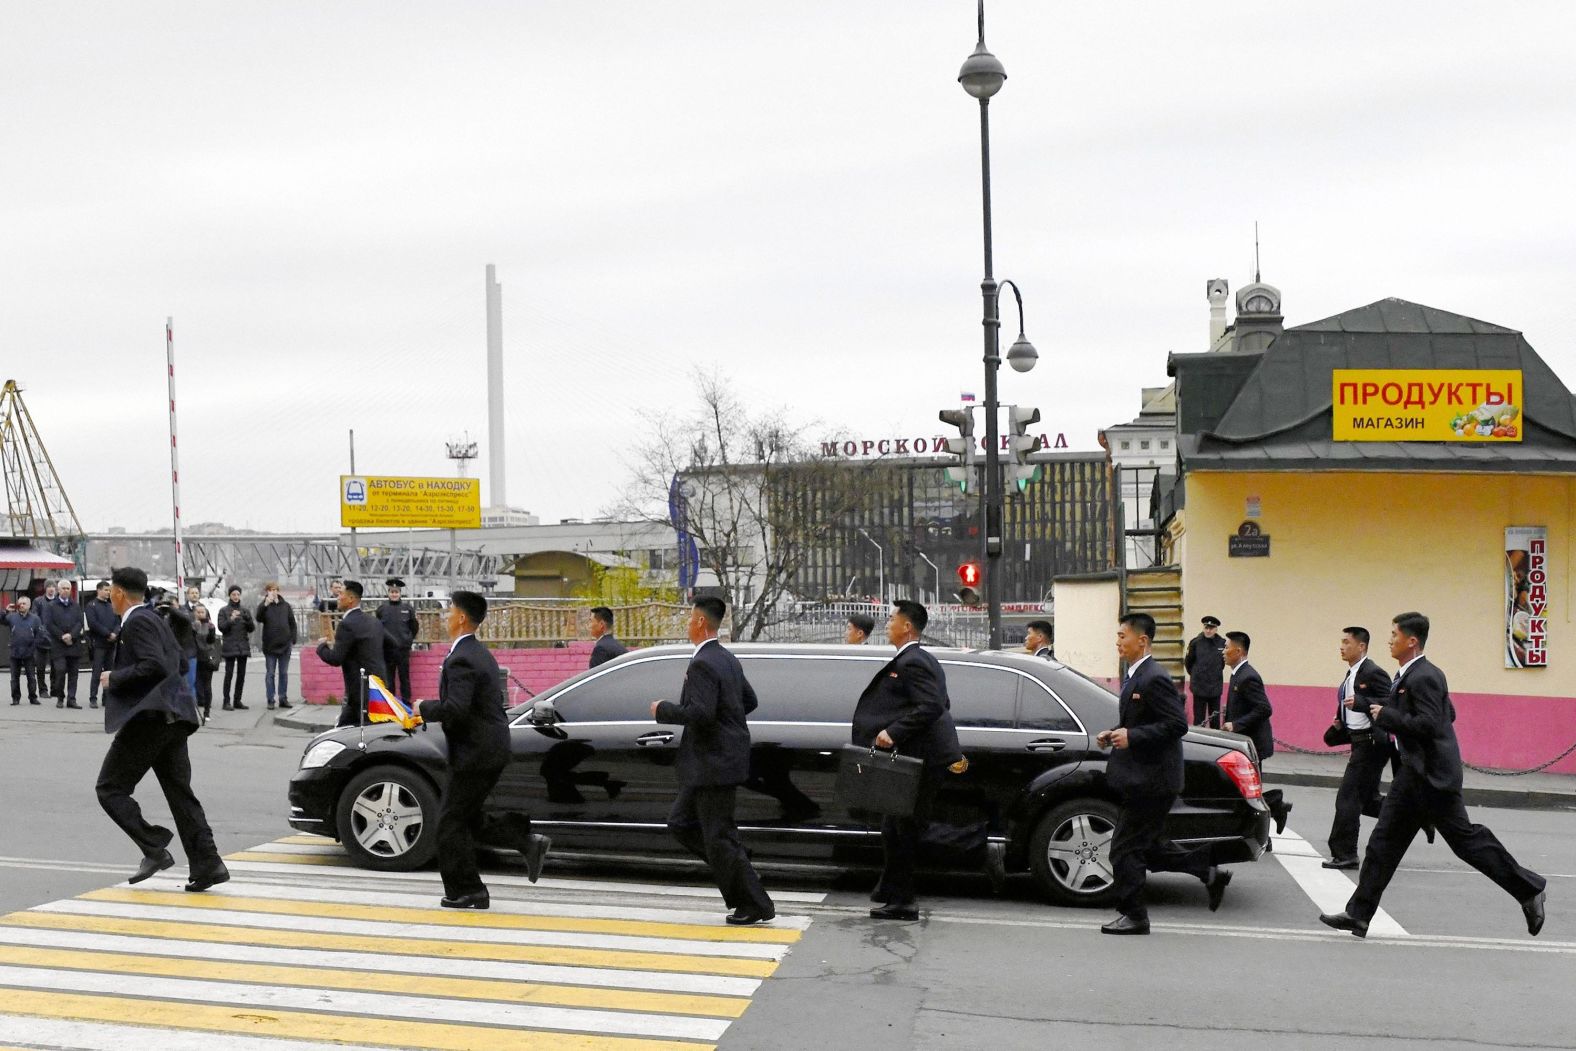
[[877, 781]]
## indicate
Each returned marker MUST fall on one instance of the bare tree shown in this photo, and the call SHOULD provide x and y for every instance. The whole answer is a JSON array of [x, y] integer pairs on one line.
[[757, 499]]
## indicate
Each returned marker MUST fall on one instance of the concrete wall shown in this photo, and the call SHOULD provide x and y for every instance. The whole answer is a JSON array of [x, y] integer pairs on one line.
[[531, 669], [1086, 612], [1349, 548]]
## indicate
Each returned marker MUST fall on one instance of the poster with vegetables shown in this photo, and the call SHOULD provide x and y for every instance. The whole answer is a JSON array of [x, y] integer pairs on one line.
[[1427, 405], [1526, 596]]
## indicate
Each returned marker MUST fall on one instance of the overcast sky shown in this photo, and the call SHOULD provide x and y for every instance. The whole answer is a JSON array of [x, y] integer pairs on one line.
[[786, 191]]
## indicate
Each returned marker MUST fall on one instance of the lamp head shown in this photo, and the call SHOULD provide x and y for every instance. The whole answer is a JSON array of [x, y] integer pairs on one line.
[[982, 73], [1022, 355]]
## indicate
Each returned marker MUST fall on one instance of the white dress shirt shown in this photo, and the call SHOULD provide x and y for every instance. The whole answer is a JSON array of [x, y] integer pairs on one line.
[[1357, 715]]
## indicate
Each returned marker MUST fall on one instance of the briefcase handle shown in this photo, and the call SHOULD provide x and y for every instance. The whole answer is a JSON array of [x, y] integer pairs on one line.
[[891, 756]]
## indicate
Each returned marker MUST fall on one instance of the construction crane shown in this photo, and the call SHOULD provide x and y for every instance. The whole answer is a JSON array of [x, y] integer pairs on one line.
[[37, 508]]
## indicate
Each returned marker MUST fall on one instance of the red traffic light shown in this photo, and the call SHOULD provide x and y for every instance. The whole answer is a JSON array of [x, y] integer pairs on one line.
[[969, 574]]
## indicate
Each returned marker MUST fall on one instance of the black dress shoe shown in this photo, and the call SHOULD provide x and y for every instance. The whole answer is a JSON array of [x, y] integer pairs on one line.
[[60, 704], [1280, 817], [73, 704], [895, 912], [1341, 863], [286, 704], [240, 707], [201, 881], [1215, 885], [1125, 925], [745, 917], [1342, 922], [151, 863], [1532, 908], [467, 901], [1428, 832], [92, 703], [535, 853]]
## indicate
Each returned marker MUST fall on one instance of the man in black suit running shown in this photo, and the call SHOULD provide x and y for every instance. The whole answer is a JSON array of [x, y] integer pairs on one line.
[[1427, 788], [357, 648], [1248, 713], [906, 707], [713, 760], [470, 708], [150, 710], [1365, 684], [1145, 769]]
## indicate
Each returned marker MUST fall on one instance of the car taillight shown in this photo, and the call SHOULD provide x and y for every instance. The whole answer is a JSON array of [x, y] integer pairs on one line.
[[1243, 774]]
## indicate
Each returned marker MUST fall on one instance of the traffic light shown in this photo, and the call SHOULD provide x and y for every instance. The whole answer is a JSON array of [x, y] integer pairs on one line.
[[1021, 443], [970, 576], [964, 447]]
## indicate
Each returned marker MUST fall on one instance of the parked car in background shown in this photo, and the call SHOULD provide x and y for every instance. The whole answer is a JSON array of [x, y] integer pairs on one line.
[[594, 771]]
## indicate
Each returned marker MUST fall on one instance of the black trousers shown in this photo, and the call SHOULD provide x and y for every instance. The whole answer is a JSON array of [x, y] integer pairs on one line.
[[149, 742], [64, 670], [103, 656], [234, 668], [702, 821], [459, 826], [44, 662], [1139, 845], [204, 689], [24, 667], [1206, 705], [398, 664], [1358, 794], [1410, 802], [900, 842]]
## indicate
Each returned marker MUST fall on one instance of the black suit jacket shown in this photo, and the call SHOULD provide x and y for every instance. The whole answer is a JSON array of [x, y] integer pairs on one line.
[[715, 749], [1205, 663], [1151, 712], [606, 648], [358, 644], [908, 699], [147, 675], [470, 707], [1419, 713], [1248, 709], [1372, 686]]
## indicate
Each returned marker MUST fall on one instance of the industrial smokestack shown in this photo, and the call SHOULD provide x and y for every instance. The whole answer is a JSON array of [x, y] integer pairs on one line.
[[1216, 289], [497, 497]]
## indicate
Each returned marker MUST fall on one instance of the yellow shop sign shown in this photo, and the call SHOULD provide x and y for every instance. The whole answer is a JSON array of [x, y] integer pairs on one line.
[[1428, 405]]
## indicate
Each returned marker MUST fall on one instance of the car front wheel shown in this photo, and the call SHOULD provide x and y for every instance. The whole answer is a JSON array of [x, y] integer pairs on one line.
[[388, 819], [1070, 853]]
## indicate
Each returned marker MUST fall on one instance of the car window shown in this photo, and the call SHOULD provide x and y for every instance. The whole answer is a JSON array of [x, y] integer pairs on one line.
[[623, 694], [814, 689], [1095, 705], [1038, 709], [981, 696]]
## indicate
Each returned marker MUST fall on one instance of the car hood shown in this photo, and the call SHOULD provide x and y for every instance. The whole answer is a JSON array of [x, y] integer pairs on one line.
[[386, 737]]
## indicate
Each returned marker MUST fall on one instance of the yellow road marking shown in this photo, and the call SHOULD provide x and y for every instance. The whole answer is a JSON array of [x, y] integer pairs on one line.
[[381, 981], [334, 861], [450, 918], [620, 959], [308, 841], [309, 1025]]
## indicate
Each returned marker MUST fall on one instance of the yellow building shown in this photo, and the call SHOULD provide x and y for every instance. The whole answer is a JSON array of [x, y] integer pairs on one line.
[[1464, 512]]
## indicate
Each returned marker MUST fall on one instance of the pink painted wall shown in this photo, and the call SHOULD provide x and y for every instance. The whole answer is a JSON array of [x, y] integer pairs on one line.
[[534, 669]]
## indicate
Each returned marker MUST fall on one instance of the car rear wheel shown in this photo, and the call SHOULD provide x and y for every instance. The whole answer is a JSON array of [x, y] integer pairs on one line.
[[388, 819], [1070, 853]]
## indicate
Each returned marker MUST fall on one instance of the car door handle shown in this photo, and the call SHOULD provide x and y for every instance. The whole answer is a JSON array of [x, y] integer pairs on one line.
[[1046, 744], [655, 737]]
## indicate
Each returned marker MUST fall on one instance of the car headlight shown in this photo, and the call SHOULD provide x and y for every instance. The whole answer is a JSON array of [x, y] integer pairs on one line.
[[320, 753]]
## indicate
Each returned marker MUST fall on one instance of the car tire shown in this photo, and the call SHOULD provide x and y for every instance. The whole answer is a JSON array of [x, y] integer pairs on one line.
[[1070, 853], [387, 819]]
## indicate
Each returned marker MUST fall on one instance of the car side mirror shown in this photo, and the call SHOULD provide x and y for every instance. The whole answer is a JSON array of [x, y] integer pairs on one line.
[[544, 714]]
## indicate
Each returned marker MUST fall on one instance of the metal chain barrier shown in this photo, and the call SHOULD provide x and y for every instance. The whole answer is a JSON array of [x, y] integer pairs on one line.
[[1289, 747]]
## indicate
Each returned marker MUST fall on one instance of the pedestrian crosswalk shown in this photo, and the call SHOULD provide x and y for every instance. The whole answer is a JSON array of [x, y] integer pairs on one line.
[[301, 950]]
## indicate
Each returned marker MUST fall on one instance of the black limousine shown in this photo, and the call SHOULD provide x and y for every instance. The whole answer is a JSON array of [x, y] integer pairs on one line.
[[594, 771]]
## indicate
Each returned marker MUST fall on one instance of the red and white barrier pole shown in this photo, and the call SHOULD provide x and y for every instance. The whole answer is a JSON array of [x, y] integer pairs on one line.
[[175, 464]]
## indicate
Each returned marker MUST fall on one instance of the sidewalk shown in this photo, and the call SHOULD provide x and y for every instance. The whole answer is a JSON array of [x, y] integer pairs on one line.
[[1542, 791]]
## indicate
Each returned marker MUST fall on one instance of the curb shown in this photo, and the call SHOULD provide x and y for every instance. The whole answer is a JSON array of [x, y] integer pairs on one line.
[[293, 720], [1508, 798]]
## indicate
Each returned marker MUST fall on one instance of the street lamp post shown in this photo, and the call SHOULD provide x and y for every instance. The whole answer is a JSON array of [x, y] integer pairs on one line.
[[982, 76]]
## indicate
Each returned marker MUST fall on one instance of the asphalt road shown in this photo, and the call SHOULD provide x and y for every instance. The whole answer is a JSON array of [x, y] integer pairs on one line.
[[980, 971]]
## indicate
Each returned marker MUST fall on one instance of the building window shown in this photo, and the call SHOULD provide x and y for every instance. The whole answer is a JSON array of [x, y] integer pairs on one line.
[[1165, 443], [1127, 445], [1144, 444]]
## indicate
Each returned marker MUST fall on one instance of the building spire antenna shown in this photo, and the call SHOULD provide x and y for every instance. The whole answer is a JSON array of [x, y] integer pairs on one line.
[[1256, 278]]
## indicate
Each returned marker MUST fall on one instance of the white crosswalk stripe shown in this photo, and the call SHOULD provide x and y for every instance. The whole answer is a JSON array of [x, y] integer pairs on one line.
[[349, 958]]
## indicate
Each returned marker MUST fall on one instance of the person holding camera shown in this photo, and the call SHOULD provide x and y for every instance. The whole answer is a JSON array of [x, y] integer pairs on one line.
[[25, 633], [237, 625], [277, 622]]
